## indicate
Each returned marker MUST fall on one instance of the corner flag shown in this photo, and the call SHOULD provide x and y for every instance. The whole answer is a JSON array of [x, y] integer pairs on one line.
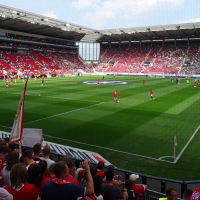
[[17, 128], [175, 141]]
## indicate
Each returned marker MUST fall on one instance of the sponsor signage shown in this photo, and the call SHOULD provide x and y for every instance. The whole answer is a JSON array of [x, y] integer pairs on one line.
[[63, 150]]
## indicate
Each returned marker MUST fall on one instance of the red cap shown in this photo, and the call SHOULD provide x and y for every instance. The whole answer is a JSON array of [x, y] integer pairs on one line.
[[195, 195]]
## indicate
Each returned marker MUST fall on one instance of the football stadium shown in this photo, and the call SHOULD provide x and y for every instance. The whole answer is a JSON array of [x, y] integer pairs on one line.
[[125, 97]]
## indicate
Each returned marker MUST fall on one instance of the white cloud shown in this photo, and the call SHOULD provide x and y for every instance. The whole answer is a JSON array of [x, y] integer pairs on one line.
[[118, 11], [83, 4], [189, 20], [50, 14]]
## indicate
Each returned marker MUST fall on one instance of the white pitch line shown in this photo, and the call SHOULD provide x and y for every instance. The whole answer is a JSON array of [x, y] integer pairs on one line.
[[5, 126], [71, 99], [63, 113], [165, 157], [109, 149], [179, 155]]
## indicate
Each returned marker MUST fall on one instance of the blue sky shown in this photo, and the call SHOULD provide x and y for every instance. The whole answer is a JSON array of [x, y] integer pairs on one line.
[[106, 14]]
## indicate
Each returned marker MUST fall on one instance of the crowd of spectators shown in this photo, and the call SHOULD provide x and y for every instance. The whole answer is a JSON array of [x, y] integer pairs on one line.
[[27, 175]]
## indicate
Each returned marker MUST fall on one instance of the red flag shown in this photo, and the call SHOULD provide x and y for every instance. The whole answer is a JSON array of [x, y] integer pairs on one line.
[[175, 141], [17, 128]]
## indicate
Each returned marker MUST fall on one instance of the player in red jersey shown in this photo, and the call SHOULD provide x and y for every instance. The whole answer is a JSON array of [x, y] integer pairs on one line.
[[198, 80], [152, 95], [143, 82], [42, 81], [195, 85], [98, 83], [11, 80], [115, 96], [7, 85]]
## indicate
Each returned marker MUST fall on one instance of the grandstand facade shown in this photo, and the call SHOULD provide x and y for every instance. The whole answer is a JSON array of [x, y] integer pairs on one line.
[[39, 45]]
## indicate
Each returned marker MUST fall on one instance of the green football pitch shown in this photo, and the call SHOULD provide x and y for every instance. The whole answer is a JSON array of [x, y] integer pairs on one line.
[[135, 134]]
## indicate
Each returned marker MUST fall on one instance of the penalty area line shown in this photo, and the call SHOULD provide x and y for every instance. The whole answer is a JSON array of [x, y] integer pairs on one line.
[[63, 113], [107, 148]]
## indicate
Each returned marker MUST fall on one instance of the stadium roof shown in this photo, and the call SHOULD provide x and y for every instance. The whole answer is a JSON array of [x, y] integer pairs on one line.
[[25, 23], [12, 19], [160, 32]]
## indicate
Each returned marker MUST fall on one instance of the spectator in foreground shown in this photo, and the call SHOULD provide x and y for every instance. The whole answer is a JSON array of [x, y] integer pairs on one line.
[[130, 194], [28, 159], [5, 173], [43, 165], [5, 195], [110, 191], [116, 182], [78, 169], [37, 150], [60, 189], [19, 187], [139, 188], [46, 153], [171, 194], [195, 194], [100, 167], [187, 193], [34, 175], [97, 180]]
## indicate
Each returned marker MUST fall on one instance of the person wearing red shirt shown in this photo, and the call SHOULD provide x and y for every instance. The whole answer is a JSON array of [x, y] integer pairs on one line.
[[98, 83], [143, 82], [6, 85], [195, 85], [100, 167], [68, 179], [28, 159], [115, 96], [42, 81], [139, 188], [152, 95], [19, 187]]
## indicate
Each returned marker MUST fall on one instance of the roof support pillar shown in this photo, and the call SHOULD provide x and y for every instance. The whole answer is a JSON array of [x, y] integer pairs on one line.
[[119, 44], [151, 43], [188, 42], [140, 43], [110, 45], [129, 45], [163, 43], [175, 42]]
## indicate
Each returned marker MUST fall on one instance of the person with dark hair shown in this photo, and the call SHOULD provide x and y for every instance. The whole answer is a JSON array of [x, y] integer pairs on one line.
[[4, 152], [187, 193], [116, 182], [37, 150], [171, 194], [130, 194], [100, 167], [68, 178], [12, 146], [97, 180], [69, 161], [5, 173], [78, 169], [34, 175], [19, 187], [93, 172], [110, 191], [60, 189], [28, 159], [46, 152], [43, 165]]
